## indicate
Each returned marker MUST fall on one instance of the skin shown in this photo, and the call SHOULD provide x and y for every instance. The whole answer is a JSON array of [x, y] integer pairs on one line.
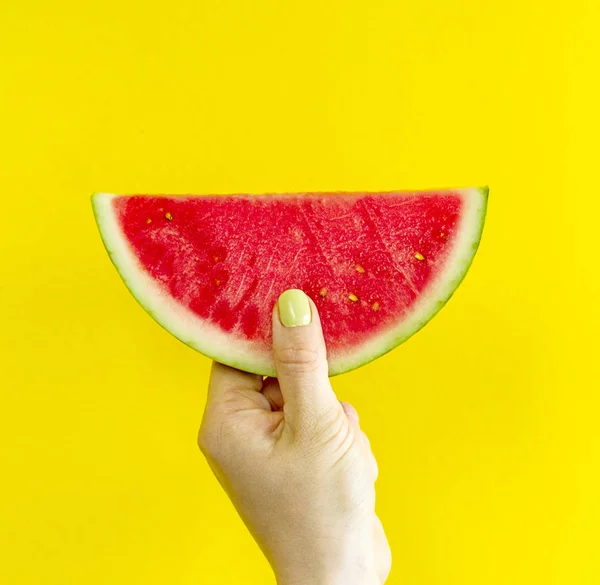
[[296, 465]]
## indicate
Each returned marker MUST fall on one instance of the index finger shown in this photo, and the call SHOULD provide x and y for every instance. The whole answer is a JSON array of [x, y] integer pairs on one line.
[[225, 379]]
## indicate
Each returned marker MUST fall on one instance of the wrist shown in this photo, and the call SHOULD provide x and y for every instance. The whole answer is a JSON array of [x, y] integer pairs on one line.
[[348, 576], [350, 562], [341, 580]]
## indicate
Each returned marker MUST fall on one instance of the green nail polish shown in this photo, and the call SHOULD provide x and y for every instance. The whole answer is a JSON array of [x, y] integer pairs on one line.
[[294, 308]]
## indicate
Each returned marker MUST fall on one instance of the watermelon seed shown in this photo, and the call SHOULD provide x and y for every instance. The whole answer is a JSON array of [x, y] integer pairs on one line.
[[375, 306], [168, 216], [419, 256], [148, 220], [323, 292], [443, 236], [217, 282], [353, 297], [360, 269]]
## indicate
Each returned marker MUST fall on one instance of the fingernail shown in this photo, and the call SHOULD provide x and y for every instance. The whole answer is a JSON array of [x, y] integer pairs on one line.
[[294, 308]]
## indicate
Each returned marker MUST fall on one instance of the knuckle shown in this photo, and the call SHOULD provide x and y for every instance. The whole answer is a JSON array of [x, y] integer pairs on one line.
[[327, 429], [331, 420], [207, 442], [298, 358], [203, 442], [374, 469], [366, 440]]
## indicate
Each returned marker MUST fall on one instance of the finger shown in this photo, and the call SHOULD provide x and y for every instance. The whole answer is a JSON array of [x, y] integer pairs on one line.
[[226, 381], [351, 413], [300, 358], [272, 392]]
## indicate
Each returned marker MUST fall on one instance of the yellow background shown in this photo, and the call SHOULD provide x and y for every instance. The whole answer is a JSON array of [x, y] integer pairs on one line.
[[485, 424]]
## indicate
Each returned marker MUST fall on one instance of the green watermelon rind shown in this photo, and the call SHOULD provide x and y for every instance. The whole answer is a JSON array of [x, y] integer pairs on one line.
[[222, 347]]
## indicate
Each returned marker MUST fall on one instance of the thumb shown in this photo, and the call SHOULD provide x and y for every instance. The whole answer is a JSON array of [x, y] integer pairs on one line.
[[301, 360]]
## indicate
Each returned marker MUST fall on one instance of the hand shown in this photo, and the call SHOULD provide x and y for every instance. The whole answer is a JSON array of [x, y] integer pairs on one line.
[[294, 461]]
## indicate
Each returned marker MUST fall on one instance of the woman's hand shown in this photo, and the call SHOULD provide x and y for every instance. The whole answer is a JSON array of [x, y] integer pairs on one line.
[[294, 461]]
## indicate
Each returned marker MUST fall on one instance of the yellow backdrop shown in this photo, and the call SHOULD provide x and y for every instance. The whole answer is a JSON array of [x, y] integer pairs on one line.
[[485, 424]]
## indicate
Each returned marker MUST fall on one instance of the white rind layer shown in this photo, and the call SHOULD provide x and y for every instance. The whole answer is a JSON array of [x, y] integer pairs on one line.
[[250, 356]]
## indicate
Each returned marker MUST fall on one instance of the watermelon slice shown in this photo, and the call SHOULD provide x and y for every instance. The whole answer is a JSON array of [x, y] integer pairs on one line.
[[210, 268]]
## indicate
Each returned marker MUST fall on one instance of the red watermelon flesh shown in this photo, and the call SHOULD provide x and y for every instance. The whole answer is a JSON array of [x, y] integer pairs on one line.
[[210, 268]]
